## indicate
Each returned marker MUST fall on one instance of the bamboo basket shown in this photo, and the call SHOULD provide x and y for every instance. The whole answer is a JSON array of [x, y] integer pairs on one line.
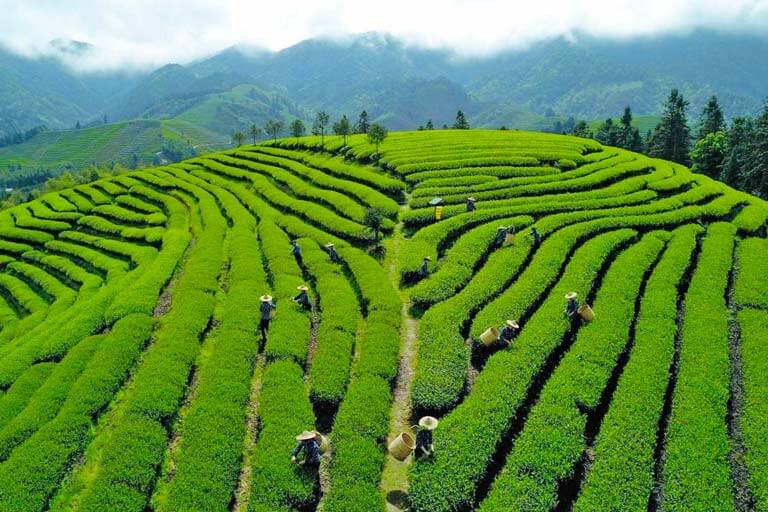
[[322, 441], [509, 239], [586, 312], [490, 336], [402, 446]]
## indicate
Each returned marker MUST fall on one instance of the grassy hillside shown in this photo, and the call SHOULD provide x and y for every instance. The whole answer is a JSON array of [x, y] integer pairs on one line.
[[101, 145], [133, 375]]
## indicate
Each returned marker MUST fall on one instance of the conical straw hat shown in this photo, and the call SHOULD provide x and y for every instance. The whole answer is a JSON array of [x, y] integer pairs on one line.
[[428, 422], [329, 245], [302, 287], [266, 298], [306, 436], [571, 295], [513, 324]]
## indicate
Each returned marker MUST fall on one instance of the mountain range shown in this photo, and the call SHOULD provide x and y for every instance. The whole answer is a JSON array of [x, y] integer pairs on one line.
[[401, 86]]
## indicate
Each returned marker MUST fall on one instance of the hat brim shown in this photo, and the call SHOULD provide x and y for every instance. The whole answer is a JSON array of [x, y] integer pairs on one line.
[[329, 245], [266, 298], [302, 288], [306, 436], [428, 422], [571, 295], [513, 324]]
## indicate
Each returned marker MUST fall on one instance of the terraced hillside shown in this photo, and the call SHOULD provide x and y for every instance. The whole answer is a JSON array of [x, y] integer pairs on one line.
[[133, 376]]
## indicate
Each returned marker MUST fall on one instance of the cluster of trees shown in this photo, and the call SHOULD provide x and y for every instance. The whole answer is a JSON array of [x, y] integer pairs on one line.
[[621, 134], [460, 124], [19, 137], [343, 128], [736, 154]]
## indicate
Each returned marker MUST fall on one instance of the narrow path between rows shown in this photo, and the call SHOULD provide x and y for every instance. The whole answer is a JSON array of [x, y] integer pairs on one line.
[[394, 478]]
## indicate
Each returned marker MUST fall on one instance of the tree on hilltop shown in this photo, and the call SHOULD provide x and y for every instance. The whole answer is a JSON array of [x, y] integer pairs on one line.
[[343, 127], [671, 140], [430, 125], [609, 134], [362, 122], [321, 123], [708, 155], [274, 128], [376, 135], [757, 175], [461, 121], [712, 119], [254, 131], [630, 136], [737, 162], [581, 129], [298, 129]]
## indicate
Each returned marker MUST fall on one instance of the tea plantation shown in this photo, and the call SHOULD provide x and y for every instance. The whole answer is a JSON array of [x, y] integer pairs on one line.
[[133, 376]]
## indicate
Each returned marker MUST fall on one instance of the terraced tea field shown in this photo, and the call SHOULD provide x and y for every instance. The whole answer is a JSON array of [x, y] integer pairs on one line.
[[133, 375]]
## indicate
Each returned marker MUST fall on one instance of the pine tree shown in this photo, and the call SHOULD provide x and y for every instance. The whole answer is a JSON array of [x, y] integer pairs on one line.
[[362, 122], [671, 139], [737, 160], [461, 121], [712, 119], [430, 125], [758, 161]]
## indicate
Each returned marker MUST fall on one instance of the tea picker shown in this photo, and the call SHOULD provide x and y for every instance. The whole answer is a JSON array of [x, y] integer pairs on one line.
[[267, 314], [424, 443], [470, 204], [302, 298], [424, 268], [536, 237], [296, 251], [501, 236], [332, 253], [572, 306], [508, 332], [308, 445]]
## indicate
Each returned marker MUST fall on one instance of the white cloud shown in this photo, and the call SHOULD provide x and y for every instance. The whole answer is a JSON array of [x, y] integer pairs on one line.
[[140, 34]]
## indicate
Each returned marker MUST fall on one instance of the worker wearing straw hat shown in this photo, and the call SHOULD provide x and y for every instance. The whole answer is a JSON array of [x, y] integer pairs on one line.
[[508, 332], [308, 444], [424, 268], [470, 204], [296, 251], [572, 307], [332, 253], [267, 312], [424, 444], [302, 298]]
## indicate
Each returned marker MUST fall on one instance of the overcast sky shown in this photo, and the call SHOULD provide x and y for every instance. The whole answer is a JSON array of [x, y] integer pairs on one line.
[[139, 34]]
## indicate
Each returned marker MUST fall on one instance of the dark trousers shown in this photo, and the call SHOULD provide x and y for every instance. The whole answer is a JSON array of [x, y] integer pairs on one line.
[[264, 327]]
